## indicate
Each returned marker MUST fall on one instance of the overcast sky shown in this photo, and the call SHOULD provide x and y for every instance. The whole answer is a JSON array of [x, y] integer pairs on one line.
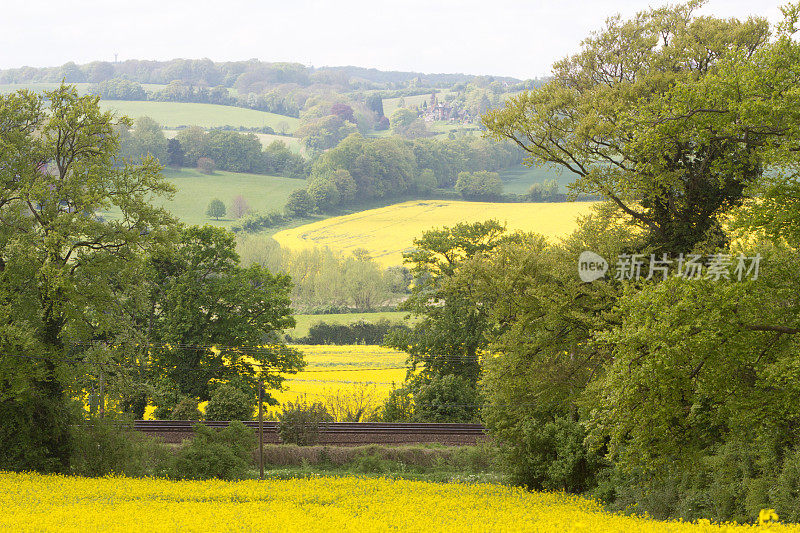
[[501, 37]]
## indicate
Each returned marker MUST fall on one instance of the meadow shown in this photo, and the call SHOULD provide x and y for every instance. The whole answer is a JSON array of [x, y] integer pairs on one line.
[[517, 180], [174, 114], [388, 231], [195, 190], [35, 503]]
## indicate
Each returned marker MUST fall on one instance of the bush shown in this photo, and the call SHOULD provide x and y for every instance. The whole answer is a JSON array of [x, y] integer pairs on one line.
[[299, 204], [298, 423], [107, 446], [479, 185], [220, 454], [230, 403], [551, 456], [543, 192], [206, 165], [34, 433], [253, 223], [186, 410], [447, 398]]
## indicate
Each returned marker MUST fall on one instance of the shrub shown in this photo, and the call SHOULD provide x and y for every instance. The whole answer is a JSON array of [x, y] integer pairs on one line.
[[221, 454], [108, 446], [447, 398], [186, 410], [230, 403], [551, 456], [359, 332], [298, 423], [543, 192], [206, 165], [299, 204], [479, 185]]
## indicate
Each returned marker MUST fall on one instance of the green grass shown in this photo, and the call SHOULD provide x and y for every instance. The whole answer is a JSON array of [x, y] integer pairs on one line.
[[519, 179], [174, 114], [196, 190], [304, 322]]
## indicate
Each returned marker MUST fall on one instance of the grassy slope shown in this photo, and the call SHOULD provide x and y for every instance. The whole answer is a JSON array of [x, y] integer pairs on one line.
[[386, 232], [196, 190], [173, 114], [518, 180]]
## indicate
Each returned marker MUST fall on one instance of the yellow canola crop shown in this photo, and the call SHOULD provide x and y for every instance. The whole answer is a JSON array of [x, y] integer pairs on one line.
[[333, 368], [37, 503], [389, 231]]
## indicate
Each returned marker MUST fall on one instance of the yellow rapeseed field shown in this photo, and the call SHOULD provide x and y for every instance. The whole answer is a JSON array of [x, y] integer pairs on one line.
[[336, 368], [388, 231], [36, 503]]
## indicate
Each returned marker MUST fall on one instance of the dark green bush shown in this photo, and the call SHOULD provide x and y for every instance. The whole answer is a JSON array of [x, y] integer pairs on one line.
[[220, 454], [229, 402], [34, 433], [298, 423], [111, 446], [551, 456]]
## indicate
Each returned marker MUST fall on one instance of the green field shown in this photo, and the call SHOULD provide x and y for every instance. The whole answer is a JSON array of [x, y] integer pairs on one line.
[[174, 114], [304, 322], [518, 180], [196, 190]]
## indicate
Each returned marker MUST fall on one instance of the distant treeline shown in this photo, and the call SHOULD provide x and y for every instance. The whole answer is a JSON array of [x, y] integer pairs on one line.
[[211, 74], [280, 101], [210, 150], [324, 281], [359, 332]]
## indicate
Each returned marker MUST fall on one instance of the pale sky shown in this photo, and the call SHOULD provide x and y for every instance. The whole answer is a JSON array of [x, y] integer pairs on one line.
[[500, 37]]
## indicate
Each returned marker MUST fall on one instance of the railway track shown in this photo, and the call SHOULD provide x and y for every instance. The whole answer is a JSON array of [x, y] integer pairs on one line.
[[336, 433]]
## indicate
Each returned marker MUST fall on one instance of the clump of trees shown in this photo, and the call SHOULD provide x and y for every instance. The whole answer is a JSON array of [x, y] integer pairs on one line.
[[237, 152], [139, 307], [479, 185], [667, 394]]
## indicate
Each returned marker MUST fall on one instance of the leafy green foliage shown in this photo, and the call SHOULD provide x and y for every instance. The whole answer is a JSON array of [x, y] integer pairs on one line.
[[64, 268], [229, 402], [479, 185], [221, 454], [694, 110], [216, 209], [200, 297], [298, 422]]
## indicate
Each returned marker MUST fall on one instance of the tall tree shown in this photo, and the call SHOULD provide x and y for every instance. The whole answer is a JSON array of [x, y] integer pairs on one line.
[[57, 256], [669, 115]]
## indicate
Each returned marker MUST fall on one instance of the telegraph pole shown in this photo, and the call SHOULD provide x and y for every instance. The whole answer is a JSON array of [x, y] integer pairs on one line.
[[260, 430]]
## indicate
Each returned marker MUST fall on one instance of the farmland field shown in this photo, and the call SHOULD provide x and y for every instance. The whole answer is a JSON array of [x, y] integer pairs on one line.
[[196, 190], [518, 180], [304, 322], [333, 368], [35, 503], [388, 231], [174, 114]]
